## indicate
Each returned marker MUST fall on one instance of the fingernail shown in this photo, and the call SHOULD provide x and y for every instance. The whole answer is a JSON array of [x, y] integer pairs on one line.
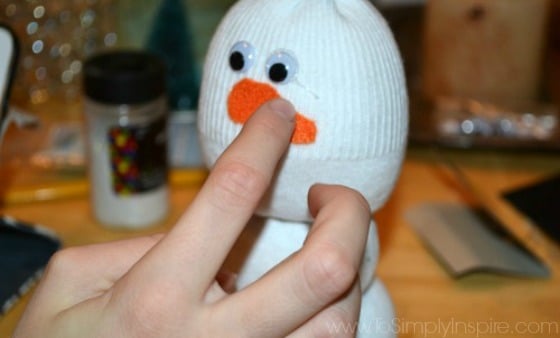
[[283, 107], [227, 280]]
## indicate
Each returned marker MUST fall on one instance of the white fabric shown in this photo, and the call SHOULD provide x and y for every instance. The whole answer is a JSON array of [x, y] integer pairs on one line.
[[349, 81], [265, 242]]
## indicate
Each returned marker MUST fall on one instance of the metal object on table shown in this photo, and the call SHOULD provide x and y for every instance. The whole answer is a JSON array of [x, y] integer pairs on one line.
[[466, 123]]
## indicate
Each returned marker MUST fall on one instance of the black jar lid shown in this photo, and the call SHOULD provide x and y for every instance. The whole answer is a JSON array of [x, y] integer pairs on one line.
[[124, 77]]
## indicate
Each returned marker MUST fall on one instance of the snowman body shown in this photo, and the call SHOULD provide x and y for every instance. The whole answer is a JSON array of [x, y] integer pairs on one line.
[[265, 242], [337, 63]]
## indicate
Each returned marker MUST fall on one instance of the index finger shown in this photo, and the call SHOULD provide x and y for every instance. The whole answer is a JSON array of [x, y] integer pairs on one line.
[[200, 241]]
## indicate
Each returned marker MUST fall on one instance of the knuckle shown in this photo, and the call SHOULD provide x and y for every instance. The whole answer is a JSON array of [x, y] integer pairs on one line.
[[250, 329], [64, 261], [330, 272], [150, 313], [238, 184], [146, 309], [355, 198]]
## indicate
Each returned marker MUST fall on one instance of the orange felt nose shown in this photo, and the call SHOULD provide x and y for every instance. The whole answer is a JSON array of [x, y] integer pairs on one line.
[[248, 95]]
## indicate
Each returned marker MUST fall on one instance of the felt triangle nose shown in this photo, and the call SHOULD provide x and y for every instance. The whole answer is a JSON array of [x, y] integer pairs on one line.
[[248, 95]]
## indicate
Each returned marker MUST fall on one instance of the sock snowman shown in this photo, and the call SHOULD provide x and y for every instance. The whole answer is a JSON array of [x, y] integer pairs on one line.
[[337, 63]]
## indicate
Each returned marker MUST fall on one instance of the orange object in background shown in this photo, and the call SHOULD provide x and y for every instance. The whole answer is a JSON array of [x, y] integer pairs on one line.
[[490, 50]]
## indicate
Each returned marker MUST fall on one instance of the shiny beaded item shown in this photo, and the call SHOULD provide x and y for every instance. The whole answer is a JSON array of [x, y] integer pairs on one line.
[[56, 36]]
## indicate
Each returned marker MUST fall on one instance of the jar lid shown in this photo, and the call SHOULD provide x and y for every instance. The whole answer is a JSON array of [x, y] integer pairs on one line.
[[124, 77]]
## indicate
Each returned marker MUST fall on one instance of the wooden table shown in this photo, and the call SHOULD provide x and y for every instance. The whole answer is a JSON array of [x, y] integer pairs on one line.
[[429, 303]]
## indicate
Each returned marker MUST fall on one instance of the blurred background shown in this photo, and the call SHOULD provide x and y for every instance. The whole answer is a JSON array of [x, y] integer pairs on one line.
[[57, 36]]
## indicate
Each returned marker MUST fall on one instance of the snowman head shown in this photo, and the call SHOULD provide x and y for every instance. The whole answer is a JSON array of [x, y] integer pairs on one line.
[[337, 62]]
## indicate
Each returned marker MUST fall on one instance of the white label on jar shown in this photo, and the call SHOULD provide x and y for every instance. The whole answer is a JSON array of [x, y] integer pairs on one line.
[[138, 157]]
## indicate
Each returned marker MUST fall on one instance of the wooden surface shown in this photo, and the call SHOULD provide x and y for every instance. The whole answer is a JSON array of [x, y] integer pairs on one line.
[[429, 303]]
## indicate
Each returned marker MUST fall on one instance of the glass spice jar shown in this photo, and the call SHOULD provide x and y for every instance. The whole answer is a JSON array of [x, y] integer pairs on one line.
[[125, 113]]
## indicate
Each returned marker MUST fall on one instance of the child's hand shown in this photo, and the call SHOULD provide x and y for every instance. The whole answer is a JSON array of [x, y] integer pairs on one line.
[[165, 286]]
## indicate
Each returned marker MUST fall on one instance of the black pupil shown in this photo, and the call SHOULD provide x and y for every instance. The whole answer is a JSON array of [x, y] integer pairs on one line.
[[278, 72], [237, 61]]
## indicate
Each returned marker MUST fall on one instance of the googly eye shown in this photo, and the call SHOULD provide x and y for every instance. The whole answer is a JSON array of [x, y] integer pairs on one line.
[[281, 67], [241, 56]]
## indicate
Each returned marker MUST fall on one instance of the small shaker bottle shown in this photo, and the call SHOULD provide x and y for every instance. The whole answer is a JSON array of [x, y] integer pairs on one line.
[[125, 113]]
